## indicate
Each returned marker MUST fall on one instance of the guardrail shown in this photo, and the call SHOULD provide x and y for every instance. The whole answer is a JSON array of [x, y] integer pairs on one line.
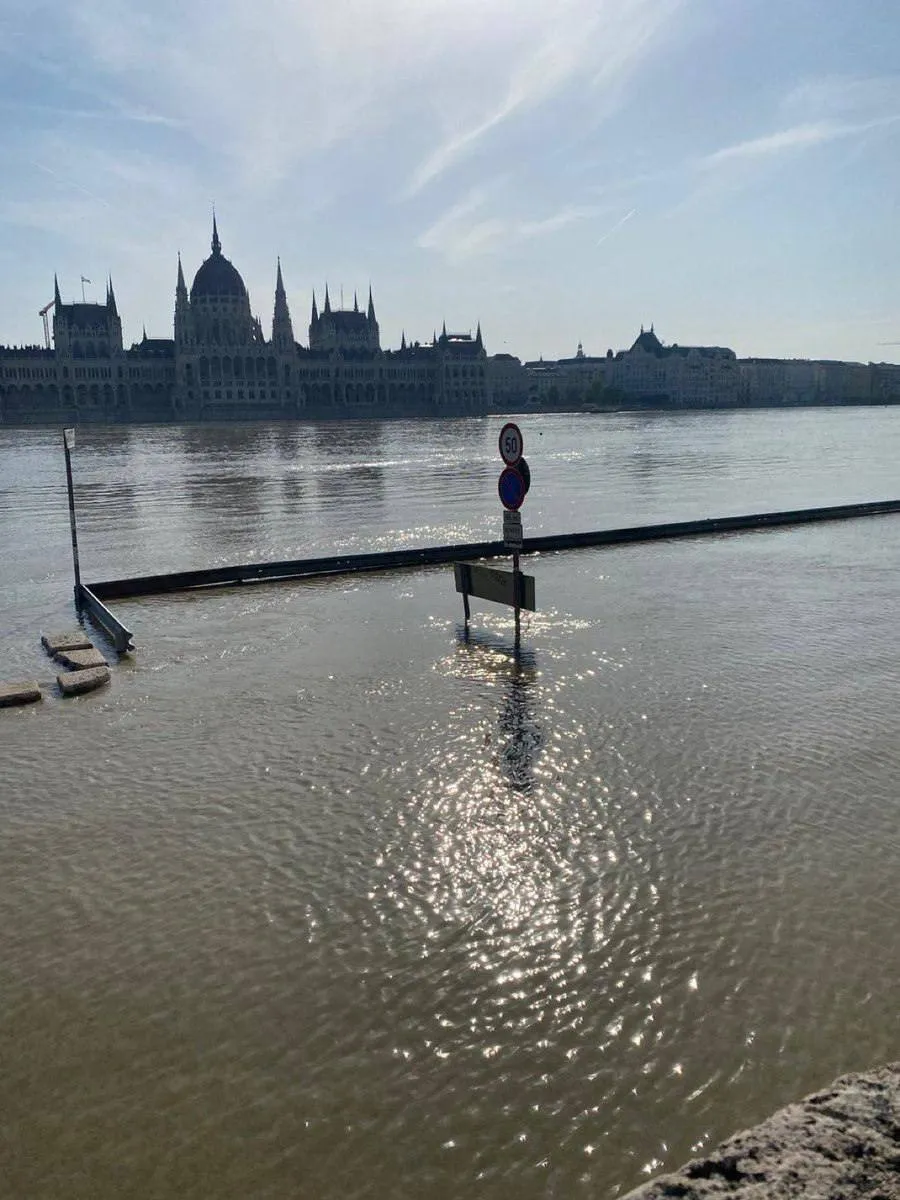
[[93, 595], [86, 599]]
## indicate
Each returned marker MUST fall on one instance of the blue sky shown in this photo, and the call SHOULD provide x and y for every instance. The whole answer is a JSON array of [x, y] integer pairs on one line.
[[726, 169]]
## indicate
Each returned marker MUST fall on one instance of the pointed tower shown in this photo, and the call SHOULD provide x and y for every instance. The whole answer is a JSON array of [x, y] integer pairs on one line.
[[216, 244], [113, 323], [282, 329], [403, 340], [315, 311], [373, 336], [182, 310], [479, 342], [326, 311], [60, 341], [355, 302]]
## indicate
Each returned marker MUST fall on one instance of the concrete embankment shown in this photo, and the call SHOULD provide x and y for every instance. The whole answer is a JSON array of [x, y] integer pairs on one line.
[[842, 1143]]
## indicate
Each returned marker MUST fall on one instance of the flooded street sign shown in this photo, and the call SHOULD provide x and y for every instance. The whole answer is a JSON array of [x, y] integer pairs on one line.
[[512, 530], [511, 487], [511, 443]]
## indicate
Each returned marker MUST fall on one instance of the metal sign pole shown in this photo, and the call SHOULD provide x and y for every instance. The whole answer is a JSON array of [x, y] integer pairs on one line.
[[66, 448], [517, 582]]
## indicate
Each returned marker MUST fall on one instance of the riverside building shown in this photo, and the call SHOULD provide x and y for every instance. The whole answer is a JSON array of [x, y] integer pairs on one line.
[[219, 365]]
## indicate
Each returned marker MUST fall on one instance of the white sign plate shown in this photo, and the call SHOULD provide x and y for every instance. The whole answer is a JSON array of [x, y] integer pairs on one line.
[[511, 443], [512, 529]]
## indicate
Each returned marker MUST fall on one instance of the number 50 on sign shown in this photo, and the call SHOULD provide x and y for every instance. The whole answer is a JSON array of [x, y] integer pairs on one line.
[[511, 444]]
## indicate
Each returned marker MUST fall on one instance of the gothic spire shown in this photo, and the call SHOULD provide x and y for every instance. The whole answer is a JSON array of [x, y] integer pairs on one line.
[[403, 340], [315, 311], [444, 330], [111, 296], [56, 297], [282, 329], [327, 308], [478, 340], [355, 302], [180, 286], [370, 314], [216, 244]]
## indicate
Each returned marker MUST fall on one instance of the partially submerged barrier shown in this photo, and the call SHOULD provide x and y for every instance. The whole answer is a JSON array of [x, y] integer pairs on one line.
[[91, 596]]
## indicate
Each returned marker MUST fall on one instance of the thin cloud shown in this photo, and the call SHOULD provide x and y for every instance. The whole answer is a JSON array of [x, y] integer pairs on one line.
[[798, 137], [615, 228], [600, 46], [460, 234]]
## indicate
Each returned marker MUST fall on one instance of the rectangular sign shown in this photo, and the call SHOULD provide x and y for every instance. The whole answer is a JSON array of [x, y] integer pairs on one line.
[[512, 530], [489, 583]]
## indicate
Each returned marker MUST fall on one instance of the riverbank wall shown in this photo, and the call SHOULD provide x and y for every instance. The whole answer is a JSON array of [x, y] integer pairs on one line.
[[842, 1143]]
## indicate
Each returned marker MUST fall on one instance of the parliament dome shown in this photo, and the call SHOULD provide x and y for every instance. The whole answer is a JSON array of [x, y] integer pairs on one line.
[[217, 277]]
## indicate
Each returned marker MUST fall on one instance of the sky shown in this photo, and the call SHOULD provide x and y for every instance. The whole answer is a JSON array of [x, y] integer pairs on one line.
[[564, 171]]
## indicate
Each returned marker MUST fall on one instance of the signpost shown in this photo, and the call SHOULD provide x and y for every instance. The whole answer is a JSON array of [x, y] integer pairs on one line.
[[511, 487], [510, 443], [503, 587], [512, 530], [68, 447]]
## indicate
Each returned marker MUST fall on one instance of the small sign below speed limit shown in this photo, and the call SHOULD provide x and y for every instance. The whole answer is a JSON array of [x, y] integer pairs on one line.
[[511, 444]]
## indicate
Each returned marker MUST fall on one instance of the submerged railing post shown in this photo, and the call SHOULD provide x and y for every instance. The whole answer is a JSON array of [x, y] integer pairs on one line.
[[68, 444]]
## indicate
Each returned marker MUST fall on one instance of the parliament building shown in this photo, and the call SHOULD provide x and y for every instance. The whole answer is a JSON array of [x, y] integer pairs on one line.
[[219, 366]]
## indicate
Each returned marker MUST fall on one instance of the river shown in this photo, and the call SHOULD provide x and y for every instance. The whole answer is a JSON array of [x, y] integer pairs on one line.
[[320, 898]]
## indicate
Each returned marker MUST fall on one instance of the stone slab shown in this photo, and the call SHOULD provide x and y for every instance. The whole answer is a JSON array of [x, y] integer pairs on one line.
[[54, 642], [18, 693], [842, 1143], [73, 683], [79, 660]]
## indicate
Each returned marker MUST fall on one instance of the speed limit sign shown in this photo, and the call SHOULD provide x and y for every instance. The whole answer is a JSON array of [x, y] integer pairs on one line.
[[511, 444]]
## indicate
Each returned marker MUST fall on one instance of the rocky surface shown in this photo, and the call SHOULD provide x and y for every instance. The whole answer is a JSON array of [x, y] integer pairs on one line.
[[18, 693], [842, 1143]]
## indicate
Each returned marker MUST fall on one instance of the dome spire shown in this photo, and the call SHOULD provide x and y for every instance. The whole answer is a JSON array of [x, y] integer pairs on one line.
[[216, 244]]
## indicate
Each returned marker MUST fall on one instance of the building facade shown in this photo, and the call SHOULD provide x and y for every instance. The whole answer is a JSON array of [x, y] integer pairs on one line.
[[219, 365]]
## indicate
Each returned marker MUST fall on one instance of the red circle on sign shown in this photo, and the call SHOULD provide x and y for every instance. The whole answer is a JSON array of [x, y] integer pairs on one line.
[[511, 487], [511, 443]]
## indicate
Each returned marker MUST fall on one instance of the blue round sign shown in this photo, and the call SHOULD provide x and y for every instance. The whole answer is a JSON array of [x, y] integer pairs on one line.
[[511, 487]]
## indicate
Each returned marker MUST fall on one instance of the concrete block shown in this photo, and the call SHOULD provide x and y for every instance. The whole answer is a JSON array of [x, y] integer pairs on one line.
[[18, 693], [79, 660], [75, 682], [54, 642]]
